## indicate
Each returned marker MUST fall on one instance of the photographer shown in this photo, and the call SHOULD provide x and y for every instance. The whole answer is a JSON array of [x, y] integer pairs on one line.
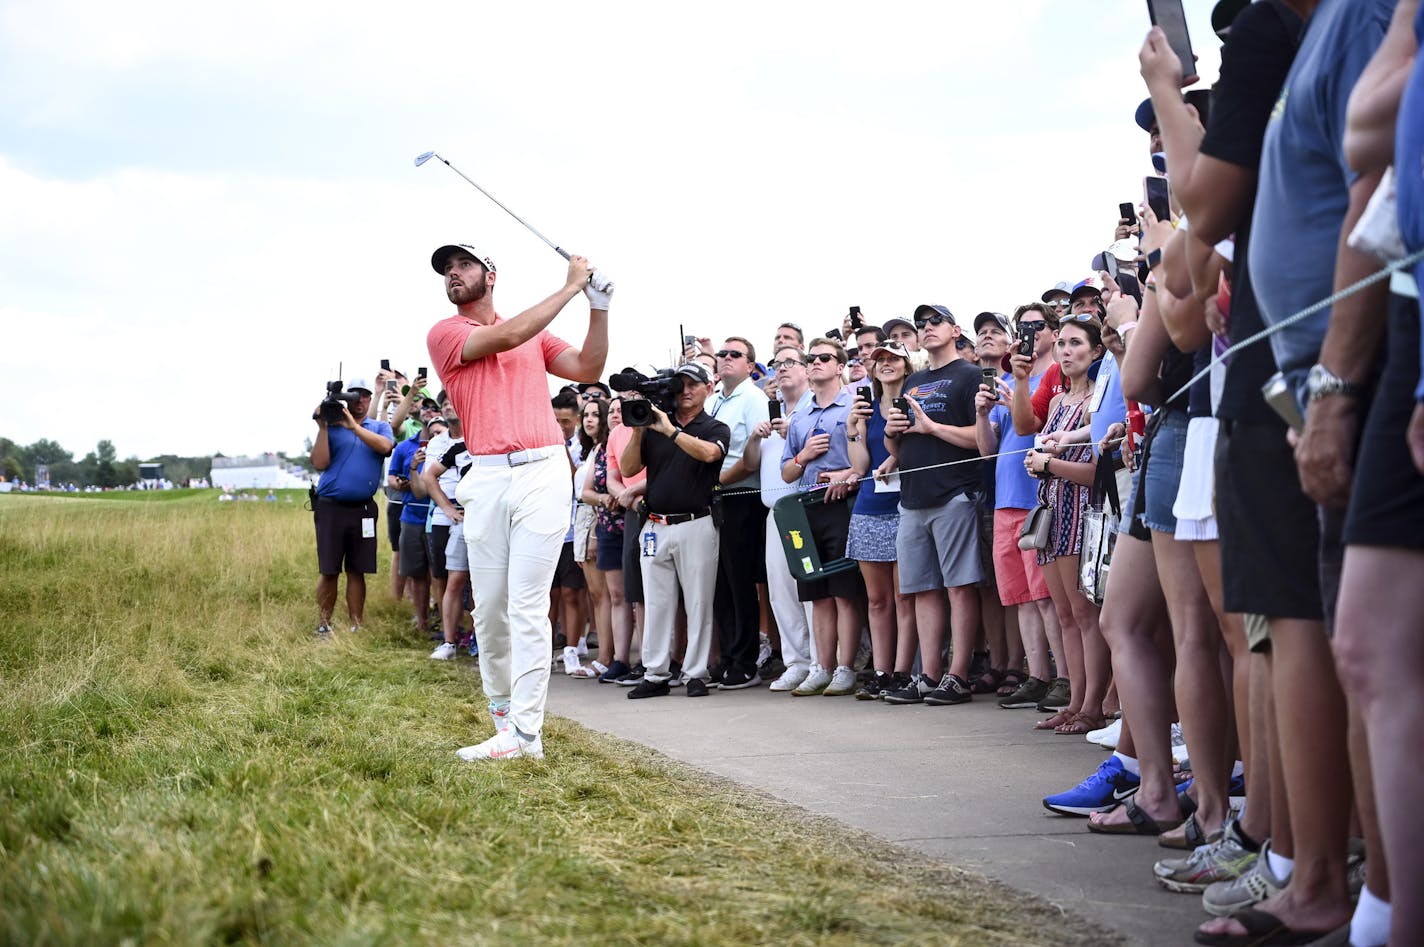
[[349, 454], [679, 544]]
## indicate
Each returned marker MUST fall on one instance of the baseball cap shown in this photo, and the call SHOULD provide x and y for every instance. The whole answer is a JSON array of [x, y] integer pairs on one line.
[[998, 317], [1092, 286], [585, 386], [439, 258], [890, 347], [897, 321], [1224, 14], [1145, 116], [1063, 287], [359, 384], [696, 371], [925, 310]]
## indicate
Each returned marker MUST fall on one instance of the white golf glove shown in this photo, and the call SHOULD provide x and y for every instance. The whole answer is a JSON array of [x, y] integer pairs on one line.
[[599, 290]]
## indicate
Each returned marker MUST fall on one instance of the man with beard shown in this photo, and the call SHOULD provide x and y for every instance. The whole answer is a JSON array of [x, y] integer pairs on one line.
[[516, 495]]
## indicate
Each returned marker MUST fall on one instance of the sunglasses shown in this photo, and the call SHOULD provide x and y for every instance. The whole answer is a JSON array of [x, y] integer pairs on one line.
[[730, 353], [934, 320], [822, 357], [1081, 317], [789, 325], [1038, 324], [785, 363]]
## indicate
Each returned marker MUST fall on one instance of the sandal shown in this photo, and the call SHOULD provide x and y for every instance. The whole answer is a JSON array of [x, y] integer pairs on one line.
[[1139, 823], [1192, 836], [1057, 720], [1080, 724], [1262, 928], [1013, 679], [988, 682]]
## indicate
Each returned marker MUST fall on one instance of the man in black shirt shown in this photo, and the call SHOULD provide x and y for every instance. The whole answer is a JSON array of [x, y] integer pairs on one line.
[[938, 538], [683, 457]]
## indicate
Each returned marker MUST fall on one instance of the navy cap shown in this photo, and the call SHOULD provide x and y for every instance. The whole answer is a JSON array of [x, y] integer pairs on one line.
[[1145, 116]]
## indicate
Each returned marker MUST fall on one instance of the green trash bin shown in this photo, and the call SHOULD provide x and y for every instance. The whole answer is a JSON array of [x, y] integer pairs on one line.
[[802, 558]]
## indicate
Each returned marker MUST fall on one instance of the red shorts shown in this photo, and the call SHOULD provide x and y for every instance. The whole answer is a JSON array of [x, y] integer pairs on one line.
[[1020, 577]]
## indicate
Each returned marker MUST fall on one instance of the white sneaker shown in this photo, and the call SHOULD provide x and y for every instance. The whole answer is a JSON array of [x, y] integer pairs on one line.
[[444, 652], [763, 648], [571, 661], [1108, 736], [814, 683], [842, 683], [583, 647], [789, 679], [504, 745]]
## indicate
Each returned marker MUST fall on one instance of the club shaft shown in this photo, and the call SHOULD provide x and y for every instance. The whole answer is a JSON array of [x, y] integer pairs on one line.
[[530, 227]]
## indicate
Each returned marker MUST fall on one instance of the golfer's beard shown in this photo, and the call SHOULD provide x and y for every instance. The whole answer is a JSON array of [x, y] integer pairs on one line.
[[468, 293]]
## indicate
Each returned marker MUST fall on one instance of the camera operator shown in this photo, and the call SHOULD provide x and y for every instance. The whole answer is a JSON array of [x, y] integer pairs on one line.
[[679, 543], [349, 455]]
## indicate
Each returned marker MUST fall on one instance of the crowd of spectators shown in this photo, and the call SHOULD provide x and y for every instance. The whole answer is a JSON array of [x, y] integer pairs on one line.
[[967, 482]]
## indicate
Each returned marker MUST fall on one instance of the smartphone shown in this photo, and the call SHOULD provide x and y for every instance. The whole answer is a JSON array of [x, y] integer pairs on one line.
[[773, 409], [421, 374], [902, 405], [856, 322], [1128, 213], [385, 364], [865, 393], [834, 334], [1155, 190], [1028, 338], [689, 340], [1279, 396], [1169, 16], [991, 378], [390, 384], [1110, 263]]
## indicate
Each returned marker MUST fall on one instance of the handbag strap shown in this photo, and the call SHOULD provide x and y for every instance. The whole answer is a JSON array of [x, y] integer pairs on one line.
[[1105, 484]]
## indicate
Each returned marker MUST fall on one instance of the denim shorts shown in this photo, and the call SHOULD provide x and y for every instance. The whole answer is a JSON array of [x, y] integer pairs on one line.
[[1163, 477]]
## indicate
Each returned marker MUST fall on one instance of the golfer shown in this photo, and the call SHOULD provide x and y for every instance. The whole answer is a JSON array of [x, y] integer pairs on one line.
[[516, 494]]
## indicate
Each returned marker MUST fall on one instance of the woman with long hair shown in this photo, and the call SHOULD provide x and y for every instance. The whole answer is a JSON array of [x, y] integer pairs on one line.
[[613, 648], [1066, 487], [875, 519], [593, 436]]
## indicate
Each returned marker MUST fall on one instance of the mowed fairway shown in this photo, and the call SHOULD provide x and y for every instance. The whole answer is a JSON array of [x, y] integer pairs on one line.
[[183, 763]]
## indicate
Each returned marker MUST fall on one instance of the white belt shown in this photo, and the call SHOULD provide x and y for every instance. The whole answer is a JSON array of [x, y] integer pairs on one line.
[[516, 458]]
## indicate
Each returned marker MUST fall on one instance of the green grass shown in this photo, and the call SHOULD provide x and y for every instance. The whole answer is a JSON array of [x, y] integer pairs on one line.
[[183, 764]]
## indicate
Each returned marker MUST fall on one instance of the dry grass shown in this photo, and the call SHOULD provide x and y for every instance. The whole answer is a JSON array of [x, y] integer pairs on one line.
[[184, 764]]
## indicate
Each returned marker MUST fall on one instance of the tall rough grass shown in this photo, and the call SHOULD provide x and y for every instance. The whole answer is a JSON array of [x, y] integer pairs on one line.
[[182, 763]]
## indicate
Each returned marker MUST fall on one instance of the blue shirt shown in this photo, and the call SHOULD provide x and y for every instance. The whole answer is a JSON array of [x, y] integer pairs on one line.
[[1409, 171], [1305, 180], [868, 500], [354, 473], [814, 419], [1112, 407], [1014, 489], [414, 511]]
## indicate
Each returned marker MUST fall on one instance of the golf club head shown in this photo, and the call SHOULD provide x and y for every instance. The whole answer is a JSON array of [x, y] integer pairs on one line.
[[422, 158]]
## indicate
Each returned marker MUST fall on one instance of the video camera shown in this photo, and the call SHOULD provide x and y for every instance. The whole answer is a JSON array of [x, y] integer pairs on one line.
[[330, 408], [662, 390]]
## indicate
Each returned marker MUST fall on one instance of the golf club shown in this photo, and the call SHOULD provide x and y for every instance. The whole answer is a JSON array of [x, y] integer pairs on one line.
[[422, 158]]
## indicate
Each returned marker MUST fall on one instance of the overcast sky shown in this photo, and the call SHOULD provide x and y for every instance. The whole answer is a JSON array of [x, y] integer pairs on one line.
[[207, 207]]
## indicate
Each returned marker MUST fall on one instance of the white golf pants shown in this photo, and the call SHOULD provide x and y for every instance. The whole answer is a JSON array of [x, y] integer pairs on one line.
[[515, 522]]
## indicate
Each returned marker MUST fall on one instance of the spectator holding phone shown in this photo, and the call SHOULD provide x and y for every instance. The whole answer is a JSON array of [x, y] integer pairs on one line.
[[932, 426]]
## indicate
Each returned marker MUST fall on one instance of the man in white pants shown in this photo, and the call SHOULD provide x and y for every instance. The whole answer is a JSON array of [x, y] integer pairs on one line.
[[516, 494], [678, 548], [793, 617]]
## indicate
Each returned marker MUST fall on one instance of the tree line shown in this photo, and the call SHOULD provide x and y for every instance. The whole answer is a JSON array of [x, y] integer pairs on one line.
[[99, 468]]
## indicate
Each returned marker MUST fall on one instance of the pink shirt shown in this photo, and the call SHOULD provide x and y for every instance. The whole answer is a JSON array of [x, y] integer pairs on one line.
[[503, 399], [618, 439]]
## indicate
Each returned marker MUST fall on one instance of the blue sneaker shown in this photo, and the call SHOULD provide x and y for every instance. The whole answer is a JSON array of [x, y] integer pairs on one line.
[[1109, 785], [1236, 793]]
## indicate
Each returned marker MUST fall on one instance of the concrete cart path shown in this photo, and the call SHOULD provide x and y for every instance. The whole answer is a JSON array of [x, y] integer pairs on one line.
[[963, 784]]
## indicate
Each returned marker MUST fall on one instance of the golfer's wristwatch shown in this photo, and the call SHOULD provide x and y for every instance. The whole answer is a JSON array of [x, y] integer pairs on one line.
[[1321, 382]]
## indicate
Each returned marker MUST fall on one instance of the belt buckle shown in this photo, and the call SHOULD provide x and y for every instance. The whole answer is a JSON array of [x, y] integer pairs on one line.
[[523, 458]]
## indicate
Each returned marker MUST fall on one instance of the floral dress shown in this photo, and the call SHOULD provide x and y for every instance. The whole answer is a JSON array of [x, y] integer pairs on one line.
[[610, 522], [1066, 501]]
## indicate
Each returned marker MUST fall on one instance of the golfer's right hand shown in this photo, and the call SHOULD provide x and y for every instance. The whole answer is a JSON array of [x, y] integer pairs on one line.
[[579, 271]]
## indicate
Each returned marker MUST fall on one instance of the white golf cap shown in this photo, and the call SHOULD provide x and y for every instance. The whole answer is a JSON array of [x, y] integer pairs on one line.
[[440, 257], [359, 384]]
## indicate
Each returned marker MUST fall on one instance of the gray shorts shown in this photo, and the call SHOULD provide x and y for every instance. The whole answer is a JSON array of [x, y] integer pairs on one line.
[[938, 548], [414, 558], [457, 557]]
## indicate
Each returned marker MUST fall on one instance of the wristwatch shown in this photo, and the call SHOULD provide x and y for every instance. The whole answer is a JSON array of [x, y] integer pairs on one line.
[[854, 438], [675, 433], [1154, 258], [1321, 382]]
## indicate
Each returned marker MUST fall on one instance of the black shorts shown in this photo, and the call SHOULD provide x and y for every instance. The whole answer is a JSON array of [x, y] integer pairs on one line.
[[435, 542], [393, 512], [830, 526], [1387, 500], [340, 545], [415, 558], [569, 574], [632, 550], [1270, 537]]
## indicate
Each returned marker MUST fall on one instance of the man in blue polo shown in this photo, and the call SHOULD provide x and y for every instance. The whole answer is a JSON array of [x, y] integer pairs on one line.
[[349, 456]]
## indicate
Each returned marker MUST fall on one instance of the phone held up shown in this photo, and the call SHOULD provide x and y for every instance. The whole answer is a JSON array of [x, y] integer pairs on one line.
[[1168, 14], [1028, 338], [773, 409], [856, 322], [1125, 211], [865, 393], [991, 379], [1154, 189], [385, 364]]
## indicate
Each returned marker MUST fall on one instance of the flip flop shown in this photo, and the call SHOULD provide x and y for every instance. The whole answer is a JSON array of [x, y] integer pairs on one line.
[[1139, 823], [1057, 720], [1080, 724], [1263, 929]]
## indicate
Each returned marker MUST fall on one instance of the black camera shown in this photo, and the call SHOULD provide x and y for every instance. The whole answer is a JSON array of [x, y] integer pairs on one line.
[[662, 390], [330, 408], [1028, 337]]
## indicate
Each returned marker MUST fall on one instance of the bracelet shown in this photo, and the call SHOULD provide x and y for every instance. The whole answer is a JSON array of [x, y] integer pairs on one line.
[[1126, 327], [675, 433], [854, 438]]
